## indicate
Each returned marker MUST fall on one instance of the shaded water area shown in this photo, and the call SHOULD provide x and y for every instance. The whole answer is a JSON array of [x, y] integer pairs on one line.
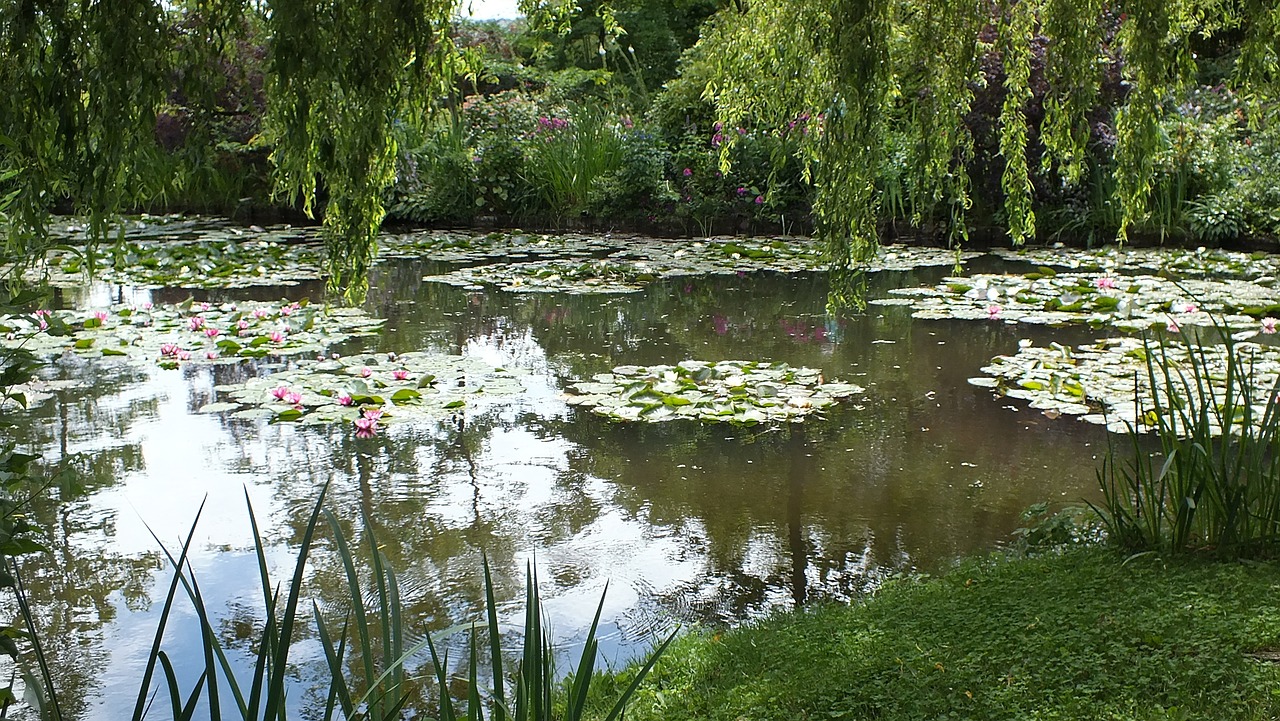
[[687, 523]]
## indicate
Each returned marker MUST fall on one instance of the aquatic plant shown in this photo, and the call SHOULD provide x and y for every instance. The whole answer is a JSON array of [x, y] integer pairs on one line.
[[367, 389], [170, 334], [740, 392], [1215, 484]]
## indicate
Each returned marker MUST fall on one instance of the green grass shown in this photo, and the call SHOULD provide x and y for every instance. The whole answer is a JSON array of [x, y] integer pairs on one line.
[[1082, 635]]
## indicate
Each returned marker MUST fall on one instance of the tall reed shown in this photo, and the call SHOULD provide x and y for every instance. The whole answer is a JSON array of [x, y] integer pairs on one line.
[[372, 630], [1215, 484]]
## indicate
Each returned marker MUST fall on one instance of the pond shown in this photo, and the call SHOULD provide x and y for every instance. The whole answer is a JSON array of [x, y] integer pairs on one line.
[[687, 522]]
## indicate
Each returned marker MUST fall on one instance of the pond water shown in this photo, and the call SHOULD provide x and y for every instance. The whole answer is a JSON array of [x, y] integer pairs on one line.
[[686, 523]]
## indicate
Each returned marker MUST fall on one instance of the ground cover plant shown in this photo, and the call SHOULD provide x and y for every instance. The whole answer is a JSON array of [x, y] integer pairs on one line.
[[1081, 634]]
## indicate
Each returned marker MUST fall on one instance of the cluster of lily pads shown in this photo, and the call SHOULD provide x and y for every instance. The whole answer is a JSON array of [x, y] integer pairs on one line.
[[739, 392], [367, 390], [1130, 303], [189, 253], [1175, 262], [452, 246], [640, 262], [189, 332], [1107, 382]]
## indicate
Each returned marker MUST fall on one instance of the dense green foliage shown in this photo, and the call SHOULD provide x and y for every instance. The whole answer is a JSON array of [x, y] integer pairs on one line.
[[1076, 635]]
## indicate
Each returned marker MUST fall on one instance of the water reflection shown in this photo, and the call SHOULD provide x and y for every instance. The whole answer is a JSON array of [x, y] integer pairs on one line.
[[683, 521]]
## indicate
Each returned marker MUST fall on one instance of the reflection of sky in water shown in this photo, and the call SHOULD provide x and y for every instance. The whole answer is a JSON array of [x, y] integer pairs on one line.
[[682, 522]]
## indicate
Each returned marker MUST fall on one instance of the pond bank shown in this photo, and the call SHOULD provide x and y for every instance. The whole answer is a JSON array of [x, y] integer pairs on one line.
[[1078, 635]]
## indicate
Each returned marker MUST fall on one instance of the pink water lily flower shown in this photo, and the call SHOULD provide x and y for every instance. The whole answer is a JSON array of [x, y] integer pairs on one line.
[[101, 315], [373, 414], [212, 332], [286, 310], [993, 312], [280, 392], [184, 355], [169, 349], [259, 313], [196, 322], [146, 305], [1268, 325], [242, 324], [365, 372], [1173, 326], [44, 324], [211, 355], [344, 399], [204, 307], [400, 374], [1185, 307], [1105, 283], [293, 398], [366, 427], [275, 336], [42, 313]]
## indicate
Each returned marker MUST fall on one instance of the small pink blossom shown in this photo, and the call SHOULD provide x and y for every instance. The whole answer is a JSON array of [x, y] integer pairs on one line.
[[402, 374], [365, 372], [293, 398], [286, 310], [41, 313], [1268, 325], [1173, 326], [44, 324], [688, 172], [212, 332], [101, 315], [204, 307], [373, 414], [146, 305], [184, 355], [211, 355], [259, 313], [993, 312], [366, 427], [759, 199], [196, 322], [280, 392], [275, 336], [1185, 308], [242, 324], [344, 399], [1105, 283], [169, 350]]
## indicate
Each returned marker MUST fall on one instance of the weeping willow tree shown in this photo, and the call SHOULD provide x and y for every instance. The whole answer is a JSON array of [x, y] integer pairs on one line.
[[889, 85], [83, 81], [342, 73], [81, 85]]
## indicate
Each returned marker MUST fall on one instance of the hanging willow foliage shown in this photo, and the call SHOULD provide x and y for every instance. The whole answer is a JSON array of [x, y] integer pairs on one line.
[[342, 73], [81, 83], [896, 80]]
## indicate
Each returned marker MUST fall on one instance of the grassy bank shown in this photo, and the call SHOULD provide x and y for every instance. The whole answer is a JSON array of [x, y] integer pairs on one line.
[[1076, 636]]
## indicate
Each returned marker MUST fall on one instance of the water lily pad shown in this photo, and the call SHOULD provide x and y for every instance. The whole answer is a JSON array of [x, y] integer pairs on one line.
[[1100, 381], [741, 392], [1174, 262], [1125, 302], [170, 251], [171, 335], [386, 387]]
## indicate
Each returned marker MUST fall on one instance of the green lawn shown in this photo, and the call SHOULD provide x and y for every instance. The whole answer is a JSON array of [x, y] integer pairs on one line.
[[1076, 636]]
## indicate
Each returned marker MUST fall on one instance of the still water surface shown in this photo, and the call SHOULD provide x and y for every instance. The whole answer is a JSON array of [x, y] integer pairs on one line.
[[686, 523]]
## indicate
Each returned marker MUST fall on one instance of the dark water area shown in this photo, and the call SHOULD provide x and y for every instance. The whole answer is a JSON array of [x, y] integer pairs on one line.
[[686, 523]]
